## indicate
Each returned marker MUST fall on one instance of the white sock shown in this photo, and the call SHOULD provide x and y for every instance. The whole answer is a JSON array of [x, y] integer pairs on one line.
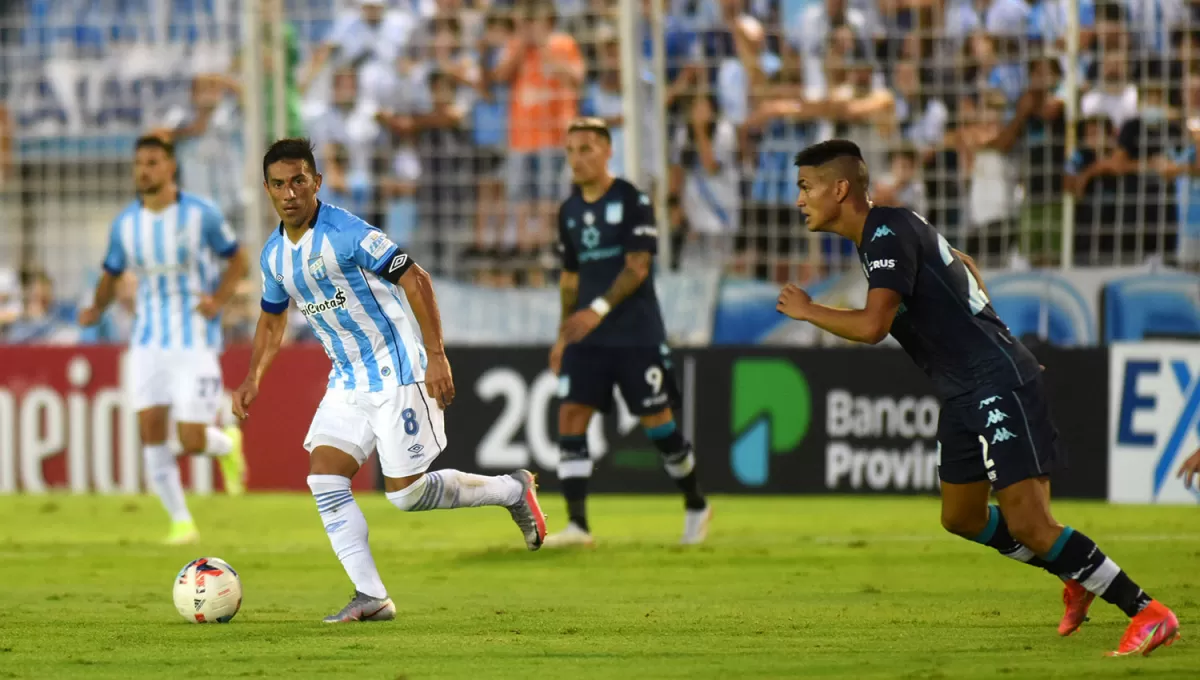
[[165, 481], [347, 529], [216, 442], [453, 489]]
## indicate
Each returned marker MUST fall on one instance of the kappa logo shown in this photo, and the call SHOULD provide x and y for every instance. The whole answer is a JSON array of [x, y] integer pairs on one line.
[[1002, 435], [996, 416], [881, 232], [988, 402], [398, 262]]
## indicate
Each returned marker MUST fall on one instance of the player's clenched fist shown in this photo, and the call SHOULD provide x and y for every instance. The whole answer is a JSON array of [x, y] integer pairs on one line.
[[1191, 468], [793, 301], [243, 397]]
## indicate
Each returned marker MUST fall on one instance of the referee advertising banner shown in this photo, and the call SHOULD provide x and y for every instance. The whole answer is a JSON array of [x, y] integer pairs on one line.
[[1154, 414]]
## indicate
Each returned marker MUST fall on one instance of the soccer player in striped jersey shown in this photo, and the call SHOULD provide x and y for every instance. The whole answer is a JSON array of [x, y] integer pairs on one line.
[[175, 243], [386, 390]]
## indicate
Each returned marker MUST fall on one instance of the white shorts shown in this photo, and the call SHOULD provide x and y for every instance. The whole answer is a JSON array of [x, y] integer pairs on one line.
[[405, 426], [186, 380]]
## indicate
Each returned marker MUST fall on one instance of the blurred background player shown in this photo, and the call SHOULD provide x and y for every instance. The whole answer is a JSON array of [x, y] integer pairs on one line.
[[612, 330], [928, 297], [174, 242], [387, 391]]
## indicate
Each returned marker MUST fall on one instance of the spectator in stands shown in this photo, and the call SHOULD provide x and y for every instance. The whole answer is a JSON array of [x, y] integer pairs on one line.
[[116, 325], [489, 125], [705, 150], [901, 186], [744, 72], [984, 143], [865, 108], [1044, 148], [921, 117], [346, 133], [546, 72], [241, 314], [1114, 95], [444, 193], [809, 32], [42, 320], [370, 33], [1147, 200], [1095, 192], [208, 140], [602, 96]]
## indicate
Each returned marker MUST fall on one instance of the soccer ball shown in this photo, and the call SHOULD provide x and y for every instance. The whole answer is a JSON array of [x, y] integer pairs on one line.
[[208, 590]]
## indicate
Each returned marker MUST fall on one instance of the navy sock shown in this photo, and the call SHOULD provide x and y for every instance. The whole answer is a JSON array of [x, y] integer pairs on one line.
[[574, 470], [679, 462], [1075, 556], [996, 535]]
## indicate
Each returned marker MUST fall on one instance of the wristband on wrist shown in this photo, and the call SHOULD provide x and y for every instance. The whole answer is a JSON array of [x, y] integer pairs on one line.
[[601, 307]]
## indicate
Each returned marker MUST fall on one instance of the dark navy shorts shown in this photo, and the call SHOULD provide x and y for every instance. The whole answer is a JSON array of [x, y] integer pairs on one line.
[[1002, 435], [645, 375]]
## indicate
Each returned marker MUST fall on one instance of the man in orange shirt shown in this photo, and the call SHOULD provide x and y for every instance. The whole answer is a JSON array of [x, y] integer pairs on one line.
[[546, 71]]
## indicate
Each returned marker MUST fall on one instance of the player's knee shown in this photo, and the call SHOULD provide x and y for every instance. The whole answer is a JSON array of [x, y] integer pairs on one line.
[[965, 524], [574, 418], [414, 496], [192, 439], [1033, 531]]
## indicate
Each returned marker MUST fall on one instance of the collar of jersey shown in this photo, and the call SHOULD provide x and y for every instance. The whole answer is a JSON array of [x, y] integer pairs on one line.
[[312, 224]]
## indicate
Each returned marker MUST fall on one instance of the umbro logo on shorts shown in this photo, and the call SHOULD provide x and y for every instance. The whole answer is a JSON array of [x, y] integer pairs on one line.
[[416, 450]]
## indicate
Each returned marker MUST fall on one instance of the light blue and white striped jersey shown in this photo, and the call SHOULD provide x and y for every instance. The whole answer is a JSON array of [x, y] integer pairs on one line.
[[333, 275], [176, 256]]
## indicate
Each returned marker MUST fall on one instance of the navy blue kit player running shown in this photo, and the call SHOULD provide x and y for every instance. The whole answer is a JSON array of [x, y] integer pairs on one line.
[[612, 331], [995, 432]]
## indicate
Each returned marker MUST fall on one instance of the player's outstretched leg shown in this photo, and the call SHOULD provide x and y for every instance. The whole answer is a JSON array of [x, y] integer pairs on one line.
[[680, 464], [446, 489], [347, 529], [1072, 555], [223, 444]]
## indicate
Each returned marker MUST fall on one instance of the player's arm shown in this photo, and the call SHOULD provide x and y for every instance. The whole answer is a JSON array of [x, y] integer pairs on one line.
[[892, 261], [268, 337], [376, 253], [1190, 469], [969, 263], [106, 288], [219, 237], [869, 325]]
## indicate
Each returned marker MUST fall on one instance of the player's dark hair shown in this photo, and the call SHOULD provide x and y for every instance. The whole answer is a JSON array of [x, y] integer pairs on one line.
[[290, 149], [155, 142], [596, 125], [824, 152]]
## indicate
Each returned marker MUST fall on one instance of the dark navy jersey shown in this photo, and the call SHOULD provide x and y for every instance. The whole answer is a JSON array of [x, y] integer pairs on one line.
[[593, 240], [945, 321]]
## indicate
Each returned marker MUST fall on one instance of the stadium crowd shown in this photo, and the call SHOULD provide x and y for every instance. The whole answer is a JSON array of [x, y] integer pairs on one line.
[[442, 121]]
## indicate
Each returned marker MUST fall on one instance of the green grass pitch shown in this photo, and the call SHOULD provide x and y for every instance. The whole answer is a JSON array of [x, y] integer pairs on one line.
[[785, 588]]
